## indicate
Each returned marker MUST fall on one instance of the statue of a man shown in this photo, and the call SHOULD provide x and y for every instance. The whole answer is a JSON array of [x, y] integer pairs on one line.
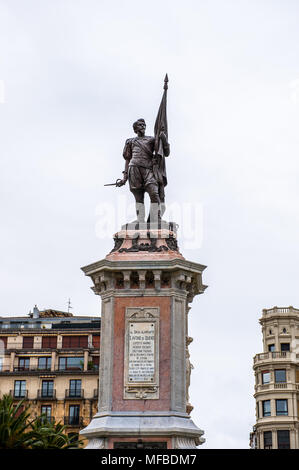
[[145, 171]]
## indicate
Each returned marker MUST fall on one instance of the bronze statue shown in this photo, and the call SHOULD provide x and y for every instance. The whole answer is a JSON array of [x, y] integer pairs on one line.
[[145, 165]]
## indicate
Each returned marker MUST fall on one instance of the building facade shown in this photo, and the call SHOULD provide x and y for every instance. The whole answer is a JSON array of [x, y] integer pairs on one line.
[[277, 381], [51, 359]]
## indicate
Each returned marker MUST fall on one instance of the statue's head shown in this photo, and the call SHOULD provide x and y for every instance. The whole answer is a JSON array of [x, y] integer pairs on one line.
[[139, 126]]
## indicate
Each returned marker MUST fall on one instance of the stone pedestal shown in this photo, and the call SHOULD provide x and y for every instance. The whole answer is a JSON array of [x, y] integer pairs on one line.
[[145, 285]]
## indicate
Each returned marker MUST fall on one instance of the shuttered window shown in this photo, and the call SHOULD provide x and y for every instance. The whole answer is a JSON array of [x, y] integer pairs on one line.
[[96, 341], [75, 341], [49, 342], [28, 341]]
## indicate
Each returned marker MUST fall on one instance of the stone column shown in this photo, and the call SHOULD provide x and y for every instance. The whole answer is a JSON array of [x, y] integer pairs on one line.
[[85, 366], [12, 361], [53, 360], [142, 373]]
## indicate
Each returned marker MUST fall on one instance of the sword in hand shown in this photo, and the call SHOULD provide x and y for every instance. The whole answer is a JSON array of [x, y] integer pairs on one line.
[[119, 182]]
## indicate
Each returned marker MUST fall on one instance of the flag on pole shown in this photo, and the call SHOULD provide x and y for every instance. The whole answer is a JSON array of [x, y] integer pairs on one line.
[[161, 126]]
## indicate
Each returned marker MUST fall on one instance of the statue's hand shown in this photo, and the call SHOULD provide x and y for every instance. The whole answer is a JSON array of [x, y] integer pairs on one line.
[[122, 182]]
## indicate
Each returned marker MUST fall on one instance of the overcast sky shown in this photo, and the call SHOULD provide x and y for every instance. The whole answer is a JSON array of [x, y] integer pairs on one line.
[[74, 76]]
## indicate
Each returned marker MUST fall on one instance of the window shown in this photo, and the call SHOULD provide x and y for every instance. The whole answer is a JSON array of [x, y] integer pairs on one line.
[[74, 415], [94, 364], [20, 389], [281, 407], [16, 324], [266, 408], [44, 363], [75, 341], [283, 439], [28, 342], [49, 342], [71, 363], [75, 388], [96, 341], [265, 377], [46, 412], [47, 388], [24, 363], [280, 375], [268, 440], [285, 347], [271, 347]]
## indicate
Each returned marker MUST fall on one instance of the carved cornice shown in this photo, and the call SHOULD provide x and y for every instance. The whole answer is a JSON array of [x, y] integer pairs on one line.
[[108, 265]]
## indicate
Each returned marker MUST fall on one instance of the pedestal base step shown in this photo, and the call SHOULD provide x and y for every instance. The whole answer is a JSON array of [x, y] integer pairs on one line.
[[178, 426]]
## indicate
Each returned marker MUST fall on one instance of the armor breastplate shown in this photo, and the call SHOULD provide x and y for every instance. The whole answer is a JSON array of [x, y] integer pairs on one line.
[[139, 156]]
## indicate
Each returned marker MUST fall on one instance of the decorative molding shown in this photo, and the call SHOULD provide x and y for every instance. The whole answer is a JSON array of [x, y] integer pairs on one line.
[[185, 443], [141, 392], [172, 243], [95, 443], [151, 247], [117, 243]]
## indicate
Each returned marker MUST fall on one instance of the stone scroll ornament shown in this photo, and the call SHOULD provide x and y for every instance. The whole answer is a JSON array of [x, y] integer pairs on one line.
[[171, 243]]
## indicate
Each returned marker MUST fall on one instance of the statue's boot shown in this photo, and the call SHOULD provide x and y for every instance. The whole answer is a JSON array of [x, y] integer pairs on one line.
[[154, 218]]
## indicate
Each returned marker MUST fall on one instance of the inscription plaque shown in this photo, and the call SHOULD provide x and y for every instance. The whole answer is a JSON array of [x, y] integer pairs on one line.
[[141, 371], [142, 352]]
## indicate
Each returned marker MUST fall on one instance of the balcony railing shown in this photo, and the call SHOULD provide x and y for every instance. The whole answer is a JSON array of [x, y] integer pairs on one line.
[[281, 385], [46, 394], [272, 355], [274, 310], [19, 394], [73, 420], [74, 393], [22, 369], [291, 386], [49, 419], [13, 346], [27, 369], [31, 368]]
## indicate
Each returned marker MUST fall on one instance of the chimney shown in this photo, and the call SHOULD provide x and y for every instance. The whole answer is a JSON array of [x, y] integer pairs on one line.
[[35, 312]]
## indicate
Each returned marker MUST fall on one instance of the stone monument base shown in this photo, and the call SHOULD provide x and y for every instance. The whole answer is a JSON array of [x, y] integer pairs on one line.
[[146, 286], [176, 430]]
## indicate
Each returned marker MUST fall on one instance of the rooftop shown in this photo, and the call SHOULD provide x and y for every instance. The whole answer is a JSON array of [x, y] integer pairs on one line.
[[49, 318]]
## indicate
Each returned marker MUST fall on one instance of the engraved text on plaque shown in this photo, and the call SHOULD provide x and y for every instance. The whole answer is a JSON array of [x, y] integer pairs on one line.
[[141, 371], [142, 352]]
